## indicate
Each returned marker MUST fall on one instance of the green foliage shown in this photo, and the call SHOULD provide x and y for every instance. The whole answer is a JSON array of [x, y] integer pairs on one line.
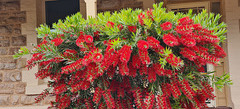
[[220, 81], [22, 51]]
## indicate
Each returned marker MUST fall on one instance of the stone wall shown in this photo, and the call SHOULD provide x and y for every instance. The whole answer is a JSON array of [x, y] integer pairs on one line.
[[115, 5], [12, 89]]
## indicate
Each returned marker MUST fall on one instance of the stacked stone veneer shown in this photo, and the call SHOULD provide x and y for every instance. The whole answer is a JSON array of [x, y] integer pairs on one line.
[[12, 89]]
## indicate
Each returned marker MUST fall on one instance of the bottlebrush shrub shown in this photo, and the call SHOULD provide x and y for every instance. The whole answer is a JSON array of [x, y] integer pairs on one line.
[[130, 59]]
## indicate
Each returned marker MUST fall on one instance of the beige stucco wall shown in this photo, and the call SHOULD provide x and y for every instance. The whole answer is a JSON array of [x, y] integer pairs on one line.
[[232, 19]]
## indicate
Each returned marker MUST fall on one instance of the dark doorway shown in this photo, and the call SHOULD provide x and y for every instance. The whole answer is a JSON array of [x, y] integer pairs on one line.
[[60, 9]]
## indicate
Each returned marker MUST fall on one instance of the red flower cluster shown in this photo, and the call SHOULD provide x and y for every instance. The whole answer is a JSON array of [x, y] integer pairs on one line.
[[170, 40], [110, 24], [173, 60], [125, 70], [132, 28], [143, 46], [57, 41], [141, 16], [166, 26]]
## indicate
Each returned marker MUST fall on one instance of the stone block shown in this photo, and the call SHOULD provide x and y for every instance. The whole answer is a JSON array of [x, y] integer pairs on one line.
[[19, 41], [12, 51], [8, 59], [4, 100], [5, 30], [21, 63], [20, 88], [12, 76], [13, 5], [9, 66], [15, 17], [4, 43], [6, 88], [15, 99], [4, 51], [28, 100]]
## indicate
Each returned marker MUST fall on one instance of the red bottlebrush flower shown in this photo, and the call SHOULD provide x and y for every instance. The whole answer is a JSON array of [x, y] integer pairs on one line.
[[96, 35], [136, 62], [60, 89], [149, 101], [41, 97], [123, 68], [120, 27], [97, 95], [110, 24], [109, 99], [198, 38], [158, 69], [170, 40], [162, 102], [186, 89], [184, 29], [165, 87], [138, 98], [102, 106], [88, 38], [44, 42], [63, 101], [185, 21], [143, 69], [57, 41], [153, 43], [150, 14], [132, 70], [88, 103], [145, 59], [201, 69], [92, 70], [151, 75], [79, 41], [175, 89], [160, 49], [166, 26], [187, 41], [210, 38], [82, 85], [218, 51], [197, 27], [125, 53], [207, 90], [141, 16], [35, 57], [132, 28], [111, 71], [70, 53], [119, 104], [142, 45], [97, 57], [168, 72], [174, 60], [72, 67], [189, 54]]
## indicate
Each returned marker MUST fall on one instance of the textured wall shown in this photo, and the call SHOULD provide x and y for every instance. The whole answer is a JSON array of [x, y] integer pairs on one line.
[[11, 18], [114, 5], [12, 89]]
